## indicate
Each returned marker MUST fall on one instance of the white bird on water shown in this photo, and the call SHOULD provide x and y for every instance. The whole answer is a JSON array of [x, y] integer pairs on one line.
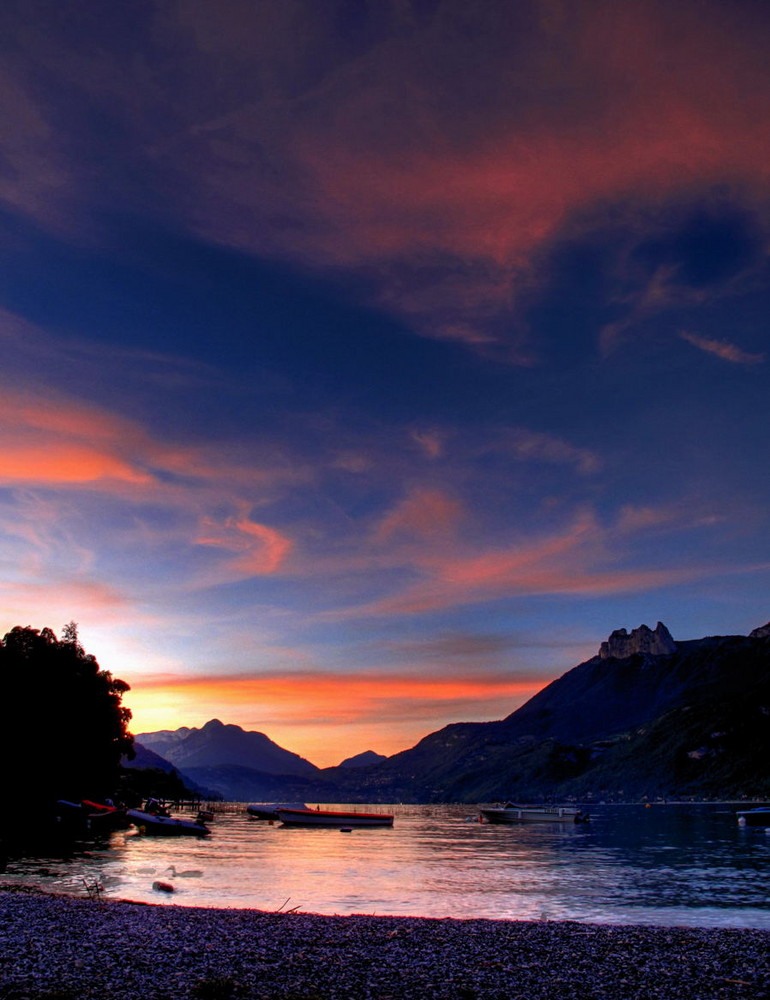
[[190, 873]]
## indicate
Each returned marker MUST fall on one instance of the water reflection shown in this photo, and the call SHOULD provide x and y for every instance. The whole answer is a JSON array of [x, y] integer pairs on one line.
[[665, 865]]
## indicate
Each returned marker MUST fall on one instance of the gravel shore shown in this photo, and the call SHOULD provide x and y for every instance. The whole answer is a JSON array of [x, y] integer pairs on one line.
[[66, 948]]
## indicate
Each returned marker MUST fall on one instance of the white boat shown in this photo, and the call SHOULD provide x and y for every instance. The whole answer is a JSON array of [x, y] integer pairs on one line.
[[269, 810], [510, 813], [325, 817], [151, 823]]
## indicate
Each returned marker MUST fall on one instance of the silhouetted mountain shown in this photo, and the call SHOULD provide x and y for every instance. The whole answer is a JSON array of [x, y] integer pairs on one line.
[[245, 784], [646, 716], [144, 759], [693, 721], [363, 759], [217, 744]]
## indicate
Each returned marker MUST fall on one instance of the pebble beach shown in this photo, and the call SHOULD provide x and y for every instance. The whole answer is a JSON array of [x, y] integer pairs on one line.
[[55, 947]]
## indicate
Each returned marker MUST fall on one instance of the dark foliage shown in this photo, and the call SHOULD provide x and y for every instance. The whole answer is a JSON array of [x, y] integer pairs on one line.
[[137, 784], [63, 728]]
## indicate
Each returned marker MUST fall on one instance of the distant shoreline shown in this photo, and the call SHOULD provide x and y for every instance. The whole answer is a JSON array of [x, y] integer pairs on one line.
[[124, 950]]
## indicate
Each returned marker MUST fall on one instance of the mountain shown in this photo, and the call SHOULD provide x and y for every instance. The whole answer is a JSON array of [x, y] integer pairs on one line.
[[145, 758], [217, 744], [216, 747], [646, 716], [693, 719], [363, 759]]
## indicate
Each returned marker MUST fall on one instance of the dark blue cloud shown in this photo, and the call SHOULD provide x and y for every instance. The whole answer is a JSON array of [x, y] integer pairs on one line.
[[707, 248]]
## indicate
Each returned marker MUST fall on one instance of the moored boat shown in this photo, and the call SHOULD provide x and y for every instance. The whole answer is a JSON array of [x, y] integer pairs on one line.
[[166, 826], [510, 813], [269, 810], [88, 816], [758, 816], [326, 817]]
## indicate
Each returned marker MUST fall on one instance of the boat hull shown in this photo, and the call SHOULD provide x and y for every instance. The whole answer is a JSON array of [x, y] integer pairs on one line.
[[546, 814], [320, 817], [166, 826], [269, 810], [754, 817]]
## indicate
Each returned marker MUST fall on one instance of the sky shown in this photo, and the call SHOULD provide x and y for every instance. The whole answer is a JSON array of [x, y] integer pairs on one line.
[[365, 363]]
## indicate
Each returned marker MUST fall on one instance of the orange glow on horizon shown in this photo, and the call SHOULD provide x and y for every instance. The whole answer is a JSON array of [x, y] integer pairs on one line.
[[327, 717]]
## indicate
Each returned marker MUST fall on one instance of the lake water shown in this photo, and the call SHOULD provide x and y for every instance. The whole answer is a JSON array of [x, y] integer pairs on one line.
[[666, 864]]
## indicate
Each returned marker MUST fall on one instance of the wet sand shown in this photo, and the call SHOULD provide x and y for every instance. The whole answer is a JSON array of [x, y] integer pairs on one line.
[[66, 948]]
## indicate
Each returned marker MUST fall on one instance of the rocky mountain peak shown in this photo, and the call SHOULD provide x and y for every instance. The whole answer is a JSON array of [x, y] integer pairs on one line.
[[760, 633], [657, 642]]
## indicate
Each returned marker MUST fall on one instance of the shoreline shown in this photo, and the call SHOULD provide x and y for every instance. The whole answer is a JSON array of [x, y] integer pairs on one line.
[[79, 949]]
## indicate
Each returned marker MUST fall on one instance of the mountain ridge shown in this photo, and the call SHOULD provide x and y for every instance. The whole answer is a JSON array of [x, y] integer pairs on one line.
[[666, 717], [218, 743]]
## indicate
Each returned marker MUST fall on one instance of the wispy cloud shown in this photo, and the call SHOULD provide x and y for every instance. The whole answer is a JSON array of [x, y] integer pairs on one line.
[[374, 158], [722, 349], [260, 549]]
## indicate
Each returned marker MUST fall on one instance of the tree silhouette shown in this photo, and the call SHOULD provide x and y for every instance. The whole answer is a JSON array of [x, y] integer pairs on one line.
[[63, 728]]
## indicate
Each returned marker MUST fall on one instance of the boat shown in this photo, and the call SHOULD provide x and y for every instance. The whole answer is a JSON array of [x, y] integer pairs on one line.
[[325, 817], [510, 813], [90, 817], [269, 810], [167, 826], [759, 816]]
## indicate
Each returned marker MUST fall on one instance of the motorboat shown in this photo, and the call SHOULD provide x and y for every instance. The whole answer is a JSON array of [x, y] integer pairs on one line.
[[325, 817], [510, 813], [165, 826], [269, 810], [759, 816]]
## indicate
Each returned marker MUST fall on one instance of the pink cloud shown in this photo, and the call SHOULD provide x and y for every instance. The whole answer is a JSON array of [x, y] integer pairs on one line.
[[529, 445], [722, 349], [431, 441], [261, 550], [61, 599], [441, 161], [585, 558], [424, 513], [61, 442]]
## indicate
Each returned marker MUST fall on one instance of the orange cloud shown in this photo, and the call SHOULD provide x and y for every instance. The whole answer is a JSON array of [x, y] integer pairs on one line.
[[64, 442], [57, 441], [65, 464], [262, 549]]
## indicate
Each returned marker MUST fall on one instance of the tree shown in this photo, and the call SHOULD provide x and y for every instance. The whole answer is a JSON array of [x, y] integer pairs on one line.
[[63, 728]]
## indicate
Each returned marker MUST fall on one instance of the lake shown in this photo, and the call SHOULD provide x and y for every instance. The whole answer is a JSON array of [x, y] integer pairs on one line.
[[672, 864]]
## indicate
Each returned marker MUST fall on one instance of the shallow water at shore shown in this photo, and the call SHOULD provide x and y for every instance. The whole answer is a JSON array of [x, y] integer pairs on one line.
[[667, 865]]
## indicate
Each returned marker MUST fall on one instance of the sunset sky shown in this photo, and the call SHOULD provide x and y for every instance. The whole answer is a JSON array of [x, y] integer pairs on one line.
[[367, 362]]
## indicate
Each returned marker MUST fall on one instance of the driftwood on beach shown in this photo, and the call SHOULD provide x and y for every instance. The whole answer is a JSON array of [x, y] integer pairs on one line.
[[66, 948]]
